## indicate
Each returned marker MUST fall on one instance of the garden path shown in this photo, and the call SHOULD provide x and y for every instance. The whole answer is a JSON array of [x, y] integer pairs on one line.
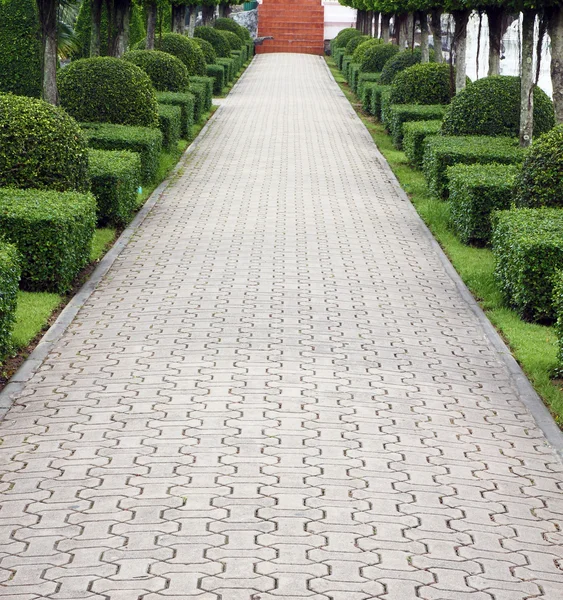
[[278, 391]]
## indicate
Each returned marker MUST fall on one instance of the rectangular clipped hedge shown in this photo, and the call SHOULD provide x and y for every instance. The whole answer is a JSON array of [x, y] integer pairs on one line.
[[10, 273], [115, 177], [186, 102], [207, 83], [53, 233], [229, 64], [144, 140], [398, 114], [475, 192], [170, 124], [414, 135], [217, 73], [528, 249], [441, 152]]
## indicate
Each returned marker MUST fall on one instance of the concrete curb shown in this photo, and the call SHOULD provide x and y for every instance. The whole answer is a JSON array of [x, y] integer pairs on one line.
[[526, 392]]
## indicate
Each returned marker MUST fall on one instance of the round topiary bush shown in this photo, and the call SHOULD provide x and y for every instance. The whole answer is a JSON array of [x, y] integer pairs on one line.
[[208, 51], [181, 47], [540, 182], [355, 42], [344, 36], [427, 83], [376, 56], [361, 49], [491, 106], [233, 39], [226, 24], [214, 37], [41, 146], [167, 73], [108, 90], [400, 62]]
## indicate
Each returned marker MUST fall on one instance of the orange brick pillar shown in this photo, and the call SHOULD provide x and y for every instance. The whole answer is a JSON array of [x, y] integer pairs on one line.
[[295, 25]]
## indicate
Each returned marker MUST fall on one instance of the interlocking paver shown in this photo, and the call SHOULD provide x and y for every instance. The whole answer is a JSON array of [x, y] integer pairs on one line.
[[278, 391]]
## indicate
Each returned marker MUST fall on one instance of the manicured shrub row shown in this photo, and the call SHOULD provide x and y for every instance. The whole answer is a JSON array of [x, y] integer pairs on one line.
[[115, 177], [399, 114], [10, 273], [144, 140], [170, 124], [186, 102], [414, 136], [476, 191], [53, 234]]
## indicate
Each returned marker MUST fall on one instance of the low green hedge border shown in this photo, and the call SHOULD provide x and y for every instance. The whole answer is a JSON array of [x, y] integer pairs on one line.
[[10, 273], [170, 124], [399, 114], [476, 191], [186, 102], [217, 73], [414, 136], [53, 233], [528, 249], [115, 177], [144, 140]]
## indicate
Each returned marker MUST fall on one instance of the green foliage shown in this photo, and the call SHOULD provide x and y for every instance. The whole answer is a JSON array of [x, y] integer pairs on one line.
[[414, 136], [214, 37], [182, 47], [167, 73], [186, 102], [359, 52], [442, 152], [398, 114], [170, 123], [115, 176], [541, 180], [144, 140], [376, 56], [40, 146], [427, 83], [344, 36], [355, 42], [401, 61], [207, 83], [232, 39], [491, 106], [528, 248], [476, 191], [10, 273], [208, 51], [108, 90], [217, 73], [20, 48], [52, 232]]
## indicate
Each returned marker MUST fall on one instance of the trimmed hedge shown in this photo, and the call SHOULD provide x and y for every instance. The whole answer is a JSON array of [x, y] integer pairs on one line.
[[186, 102], [427, 83], [20, 48], [115, 176], [10, 273], [208, 51], [401, 61], [376, 56], [414, 136], [541, 180], [108, 90], [144, 140], [528, 248], [398, 114], [491, 106], [167, 73], [442, 152], [217, 73], [475, 192], [53, 233], [361, 49], [207, 83], [170, 124], [229, 65], [40, 146], [214, 37]]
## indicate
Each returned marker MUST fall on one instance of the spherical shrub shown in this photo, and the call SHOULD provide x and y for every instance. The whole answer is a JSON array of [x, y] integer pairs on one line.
[[400, 62], [225, 24], [355, 42], [540, 182], [208, 51], [376, 56], [108, 90], [233, 39], [427, 83], [361, 49], [344, 36], [41, 146], [491, 106], [167, 73], [214, 37], [181, 47]]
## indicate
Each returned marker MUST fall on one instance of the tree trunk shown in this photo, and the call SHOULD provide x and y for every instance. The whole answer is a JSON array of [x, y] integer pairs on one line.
[[122, 10], [527, 78], [436, 22], [555, 28], [424, 49], [385, 27], [207, 14], [178, 18], [151, 25], [95, 27], [191, 21], [47, 10], [461, 17]]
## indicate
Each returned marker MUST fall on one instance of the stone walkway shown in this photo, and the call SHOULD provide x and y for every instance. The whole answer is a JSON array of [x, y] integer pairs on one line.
[[278, 392]]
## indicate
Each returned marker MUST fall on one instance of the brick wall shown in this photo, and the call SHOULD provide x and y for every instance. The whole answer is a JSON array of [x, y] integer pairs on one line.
[[296, 25]]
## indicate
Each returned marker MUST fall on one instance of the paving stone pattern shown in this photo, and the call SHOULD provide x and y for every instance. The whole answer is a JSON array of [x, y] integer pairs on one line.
[[278, 392]]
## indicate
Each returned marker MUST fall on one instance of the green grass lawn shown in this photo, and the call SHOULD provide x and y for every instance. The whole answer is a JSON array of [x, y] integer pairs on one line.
[[533, 346]]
